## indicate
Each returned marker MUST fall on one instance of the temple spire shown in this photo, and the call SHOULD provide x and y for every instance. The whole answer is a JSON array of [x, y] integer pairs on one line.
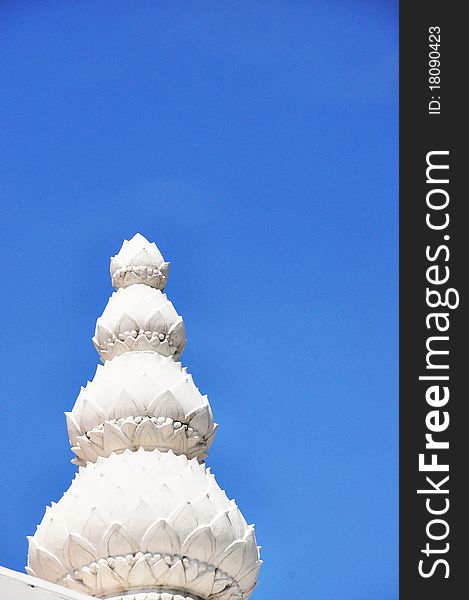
[[144, 519]]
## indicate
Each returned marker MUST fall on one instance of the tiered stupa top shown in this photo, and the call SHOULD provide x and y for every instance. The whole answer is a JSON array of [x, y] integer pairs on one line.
[[144, 519], [138, 261]]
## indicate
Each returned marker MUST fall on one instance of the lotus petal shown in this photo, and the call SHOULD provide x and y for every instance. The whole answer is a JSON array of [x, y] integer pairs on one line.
[[227, 594], [141, 343], [167, 405], [249, 591], [143, 258], [178, 333], [159, 569], [122, 568], [51, 568], [88, 449], [74, 584], [248, 580], [199, 544], [205, 508], [163, 501], [89, 579], [184, 520], [96, 437], [128, 428], [204, 583], [237, 520], [113, 438], [160, 537], [140, 518], [108, 581], [91, 415], [166, 430], [222, 531], [200, 420], [175, 574], [146, 435], [141, 574], [72, 427], [252, 550], [124, 406], [79, 551], [117, 542], [220, 583], [233, 558], [94, 526], [126, 323], [190, 569], [156, 322], [102, 334]]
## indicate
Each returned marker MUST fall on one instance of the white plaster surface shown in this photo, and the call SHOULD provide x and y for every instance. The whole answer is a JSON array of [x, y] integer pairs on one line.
[[18, 586]]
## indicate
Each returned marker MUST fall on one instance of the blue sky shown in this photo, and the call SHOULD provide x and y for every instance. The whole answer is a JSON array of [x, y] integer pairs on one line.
[[256, 143]]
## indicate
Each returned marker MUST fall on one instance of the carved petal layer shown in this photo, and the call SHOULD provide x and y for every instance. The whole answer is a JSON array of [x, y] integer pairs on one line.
[[142, 520], [140, 399]]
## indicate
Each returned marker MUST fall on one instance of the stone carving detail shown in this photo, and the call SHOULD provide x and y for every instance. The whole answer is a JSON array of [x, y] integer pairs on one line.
[[140, 399], [143, 519], [179, 531], [138, 261], [139, 318]]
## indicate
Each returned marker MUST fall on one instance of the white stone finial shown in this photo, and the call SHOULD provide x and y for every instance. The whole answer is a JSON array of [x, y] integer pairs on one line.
[[143, 518], [149, 521], [139, 261]]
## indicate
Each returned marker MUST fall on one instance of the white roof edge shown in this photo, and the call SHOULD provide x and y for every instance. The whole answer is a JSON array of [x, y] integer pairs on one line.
[[24, 587]]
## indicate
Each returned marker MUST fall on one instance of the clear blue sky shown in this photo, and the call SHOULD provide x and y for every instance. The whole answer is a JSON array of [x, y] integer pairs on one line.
[[256, 143]]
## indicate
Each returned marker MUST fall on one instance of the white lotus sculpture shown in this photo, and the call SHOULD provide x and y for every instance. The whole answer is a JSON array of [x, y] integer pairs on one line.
[[144, 519]]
